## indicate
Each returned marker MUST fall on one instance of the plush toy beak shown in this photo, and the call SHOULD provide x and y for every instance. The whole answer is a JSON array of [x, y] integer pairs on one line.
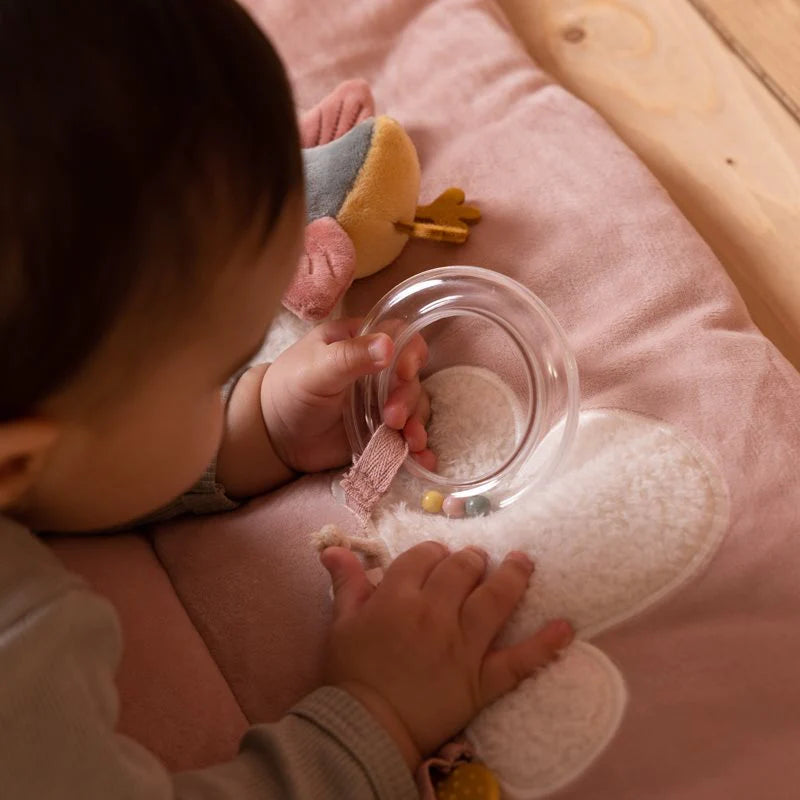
[[325, 271]]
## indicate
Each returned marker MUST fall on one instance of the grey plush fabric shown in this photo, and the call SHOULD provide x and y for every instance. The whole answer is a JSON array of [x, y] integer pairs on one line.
[[331, 170]]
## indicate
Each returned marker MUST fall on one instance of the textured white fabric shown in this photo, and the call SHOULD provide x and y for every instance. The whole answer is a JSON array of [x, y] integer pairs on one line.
[[284, 331], [538, 737], [468, 441], [637, 510]]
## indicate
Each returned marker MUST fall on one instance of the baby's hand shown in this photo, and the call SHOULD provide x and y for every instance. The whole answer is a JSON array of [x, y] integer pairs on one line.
[[417, 650], [304, 391]]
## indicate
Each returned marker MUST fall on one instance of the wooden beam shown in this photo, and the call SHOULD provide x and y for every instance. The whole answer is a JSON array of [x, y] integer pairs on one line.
[[766, 36], [722, 145]]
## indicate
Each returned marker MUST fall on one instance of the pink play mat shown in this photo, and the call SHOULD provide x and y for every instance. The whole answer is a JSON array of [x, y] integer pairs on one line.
[[683, 683]]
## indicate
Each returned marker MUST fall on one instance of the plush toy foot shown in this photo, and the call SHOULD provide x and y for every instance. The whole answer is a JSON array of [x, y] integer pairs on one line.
[[446, 219], [325, 271], [348, 104]]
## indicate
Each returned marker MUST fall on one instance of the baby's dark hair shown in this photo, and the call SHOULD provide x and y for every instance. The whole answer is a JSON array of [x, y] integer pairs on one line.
[[127, 130]]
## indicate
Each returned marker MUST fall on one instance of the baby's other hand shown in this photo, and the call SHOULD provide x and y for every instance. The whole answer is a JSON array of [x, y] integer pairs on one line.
[[418, 651], [304, 391]]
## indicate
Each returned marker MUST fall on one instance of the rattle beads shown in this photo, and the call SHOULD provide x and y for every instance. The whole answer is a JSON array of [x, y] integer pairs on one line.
[[477, 506], [434, 502], [537, 375]]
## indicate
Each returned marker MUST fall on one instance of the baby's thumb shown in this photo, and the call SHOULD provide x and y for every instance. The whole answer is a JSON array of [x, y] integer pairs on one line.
[[349, 359], [503, 670], [351, 587]]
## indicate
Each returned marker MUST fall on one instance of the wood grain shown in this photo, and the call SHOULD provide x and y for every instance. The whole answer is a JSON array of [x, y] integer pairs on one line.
[[723, 146], [765, 34]]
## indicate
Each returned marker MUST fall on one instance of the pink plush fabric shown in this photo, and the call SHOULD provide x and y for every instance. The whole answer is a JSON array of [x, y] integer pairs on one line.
[[340, 111], [252, 583], [325, 271], [373, 472], [657, 328], [173, 696]]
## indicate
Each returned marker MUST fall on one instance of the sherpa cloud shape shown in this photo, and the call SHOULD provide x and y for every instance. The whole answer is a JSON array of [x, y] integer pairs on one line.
[[637, 511]]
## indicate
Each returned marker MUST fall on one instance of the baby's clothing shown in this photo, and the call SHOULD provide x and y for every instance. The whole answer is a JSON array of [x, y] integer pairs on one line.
[[60, 645]]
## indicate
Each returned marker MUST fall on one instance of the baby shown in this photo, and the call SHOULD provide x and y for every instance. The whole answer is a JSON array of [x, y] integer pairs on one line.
[[151, 214]]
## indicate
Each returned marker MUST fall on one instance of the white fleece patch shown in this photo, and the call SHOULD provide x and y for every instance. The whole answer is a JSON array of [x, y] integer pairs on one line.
[[547, 731], [468, 441], [637, 510]]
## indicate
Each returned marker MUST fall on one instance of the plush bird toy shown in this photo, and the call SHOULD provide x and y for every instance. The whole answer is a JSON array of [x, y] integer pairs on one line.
[[362, 186]]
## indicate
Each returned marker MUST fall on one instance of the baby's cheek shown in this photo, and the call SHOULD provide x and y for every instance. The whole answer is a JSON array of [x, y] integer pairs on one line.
[[193, 438], [182, 450]]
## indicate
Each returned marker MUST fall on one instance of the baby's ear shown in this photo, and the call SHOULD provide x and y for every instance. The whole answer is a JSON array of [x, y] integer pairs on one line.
[[24, 448], [348, 104], [325, 271]]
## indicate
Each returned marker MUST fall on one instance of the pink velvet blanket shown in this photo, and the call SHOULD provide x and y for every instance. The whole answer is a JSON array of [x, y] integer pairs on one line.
[[224, 617]]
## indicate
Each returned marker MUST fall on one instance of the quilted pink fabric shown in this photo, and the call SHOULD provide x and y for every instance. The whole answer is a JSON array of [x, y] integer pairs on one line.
[[657, 328]]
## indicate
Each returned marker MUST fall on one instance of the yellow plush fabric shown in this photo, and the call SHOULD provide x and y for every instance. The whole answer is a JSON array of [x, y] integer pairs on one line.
[[385, 192]]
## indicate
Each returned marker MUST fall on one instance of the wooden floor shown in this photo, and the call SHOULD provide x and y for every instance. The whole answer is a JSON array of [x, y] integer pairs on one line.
[[708, 93]]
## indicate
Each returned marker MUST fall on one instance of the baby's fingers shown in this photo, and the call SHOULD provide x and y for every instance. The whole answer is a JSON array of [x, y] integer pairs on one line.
[[412, 359], [351, 587], [336, 365], [426, 459], [452, 579], [402, 403], [504, 670], [486, 610], [410, 570], [415, 434]]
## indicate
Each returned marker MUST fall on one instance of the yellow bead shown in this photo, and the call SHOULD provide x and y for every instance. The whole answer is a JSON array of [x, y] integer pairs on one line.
[[432, 501], [469, 782]]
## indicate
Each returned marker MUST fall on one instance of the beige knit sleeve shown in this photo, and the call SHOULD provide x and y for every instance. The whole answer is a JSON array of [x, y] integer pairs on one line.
[[207, 496], [59, 649]]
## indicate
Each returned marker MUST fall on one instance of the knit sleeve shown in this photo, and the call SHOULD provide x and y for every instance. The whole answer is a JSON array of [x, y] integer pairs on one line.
[[59, 649], [207, 496]]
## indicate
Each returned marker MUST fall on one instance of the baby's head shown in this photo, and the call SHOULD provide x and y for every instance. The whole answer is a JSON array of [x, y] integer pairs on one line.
[[151, 210]]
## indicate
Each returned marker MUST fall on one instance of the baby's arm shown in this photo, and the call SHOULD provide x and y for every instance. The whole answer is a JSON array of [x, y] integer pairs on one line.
[[247, 463], [420, 651], [409, 664], [59, 650], [287, 417]]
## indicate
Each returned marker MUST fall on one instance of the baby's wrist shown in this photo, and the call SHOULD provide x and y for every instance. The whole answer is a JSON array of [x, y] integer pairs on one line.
[[272, 424], [382, 711]]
